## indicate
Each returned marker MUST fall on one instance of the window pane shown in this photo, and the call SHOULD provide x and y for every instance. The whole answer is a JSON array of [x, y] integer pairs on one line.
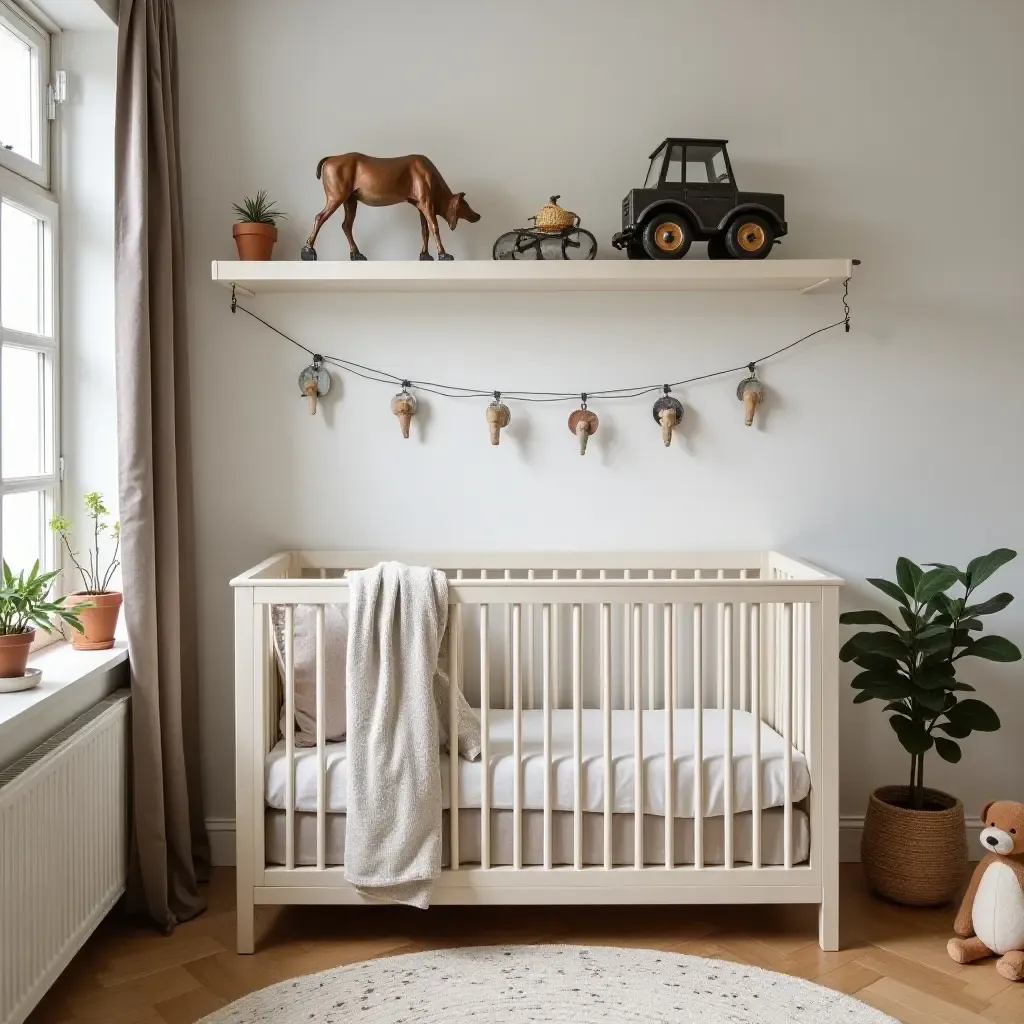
[[21, 278], [674, 171], [23, 410], [22, 528], [16, 112]]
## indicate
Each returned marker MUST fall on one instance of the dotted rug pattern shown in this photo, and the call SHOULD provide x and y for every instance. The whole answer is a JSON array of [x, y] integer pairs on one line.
[[546, 985]]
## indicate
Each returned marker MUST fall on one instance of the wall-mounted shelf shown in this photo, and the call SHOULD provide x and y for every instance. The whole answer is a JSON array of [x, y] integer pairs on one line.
[[805, 276]]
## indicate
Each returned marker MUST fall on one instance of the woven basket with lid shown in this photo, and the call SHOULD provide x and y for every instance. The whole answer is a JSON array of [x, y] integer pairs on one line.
[[552, 217]]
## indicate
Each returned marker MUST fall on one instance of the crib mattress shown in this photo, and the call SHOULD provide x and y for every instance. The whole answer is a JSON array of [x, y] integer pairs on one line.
[[772, 838], [502, 772]]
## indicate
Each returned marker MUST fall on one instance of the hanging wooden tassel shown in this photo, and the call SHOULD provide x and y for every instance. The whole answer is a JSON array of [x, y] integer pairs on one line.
[[314, 382], [583, 423], [750, 391], [668, 411], [403, 405], [498, 416]]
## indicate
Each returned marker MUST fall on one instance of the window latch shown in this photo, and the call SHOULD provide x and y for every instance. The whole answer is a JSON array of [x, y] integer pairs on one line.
[[56, 92]]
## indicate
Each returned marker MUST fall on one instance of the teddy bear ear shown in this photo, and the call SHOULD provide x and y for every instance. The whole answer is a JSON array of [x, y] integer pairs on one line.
[[985, 810]]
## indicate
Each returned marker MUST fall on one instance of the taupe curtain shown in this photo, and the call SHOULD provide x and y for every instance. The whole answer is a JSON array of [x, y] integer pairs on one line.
[[169, 851]]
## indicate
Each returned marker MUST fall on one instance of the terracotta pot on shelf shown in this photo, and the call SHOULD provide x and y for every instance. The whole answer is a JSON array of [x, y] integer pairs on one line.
[[14, 649], [254, 241], [99, 621], [918, 858]]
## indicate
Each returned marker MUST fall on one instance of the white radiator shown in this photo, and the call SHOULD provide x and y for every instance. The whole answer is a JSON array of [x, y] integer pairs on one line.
[[63, 850]]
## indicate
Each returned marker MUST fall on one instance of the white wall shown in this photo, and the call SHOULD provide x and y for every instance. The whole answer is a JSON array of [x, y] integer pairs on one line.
[[893, 131], [86, 183]]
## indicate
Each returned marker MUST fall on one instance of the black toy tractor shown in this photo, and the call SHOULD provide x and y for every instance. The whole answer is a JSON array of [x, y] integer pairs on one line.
[[690, 195]]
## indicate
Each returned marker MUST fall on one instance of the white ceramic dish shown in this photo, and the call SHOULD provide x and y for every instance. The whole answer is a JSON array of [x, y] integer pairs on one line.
[[13, 684]]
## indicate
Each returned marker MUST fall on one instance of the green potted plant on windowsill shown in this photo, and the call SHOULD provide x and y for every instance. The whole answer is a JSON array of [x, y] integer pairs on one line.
[[256, 230], [97, 605], [914, 844], [25, 606]]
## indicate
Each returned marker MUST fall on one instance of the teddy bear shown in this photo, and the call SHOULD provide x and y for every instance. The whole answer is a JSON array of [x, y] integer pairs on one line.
[[991, 918]]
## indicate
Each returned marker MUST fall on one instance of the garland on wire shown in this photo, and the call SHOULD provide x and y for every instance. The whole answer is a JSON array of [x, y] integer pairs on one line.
[[749, 386]]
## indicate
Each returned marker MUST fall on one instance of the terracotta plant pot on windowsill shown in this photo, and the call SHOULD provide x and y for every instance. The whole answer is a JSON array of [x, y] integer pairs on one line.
[[254, 241], [14, 648], [98, 621]]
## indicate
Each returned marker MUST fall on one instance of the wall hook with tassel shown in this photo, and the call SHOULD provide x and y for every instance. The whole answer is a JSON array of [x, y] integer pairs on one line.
[[750, 391], [403, 405], [583, 423], [498, 417], [314, 382], [668, 412]]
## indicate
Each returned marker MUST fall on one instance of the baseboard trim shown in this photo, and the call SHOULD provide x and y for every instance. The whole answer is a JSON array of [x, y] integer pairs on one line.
[[851, 826], [221, 832]]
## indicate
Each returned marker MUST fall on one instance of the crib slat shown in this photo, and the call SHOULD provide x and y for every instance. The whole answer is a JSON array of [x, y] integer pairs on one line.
[[485, 744], [577, 734], [289, 741], [517, 740], [651, 654], [638, 737], [606, 707], [321, 741], [744, 701], [698, 734], [755, 714], [531, 650], [556, 649], [546, 685], [719, 615], [455, 684], [787, 729], [727, 685], [508, 650], [627, 657], [798, 672], [669, 672]]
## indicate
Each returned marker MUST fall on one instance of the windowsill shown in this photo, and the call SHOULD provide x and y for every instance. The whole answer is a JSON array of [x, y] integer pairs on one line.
[[72, 682]]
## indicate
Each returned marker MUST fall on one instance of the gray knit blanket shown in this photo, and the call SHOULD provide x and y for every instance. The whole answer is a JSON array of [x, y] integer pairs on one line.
[[397, 707]]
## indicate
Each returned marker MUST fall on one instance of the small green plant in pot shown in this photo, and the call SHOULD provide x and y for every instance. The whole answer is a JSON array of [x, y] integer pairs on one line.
[[914, 846], [25, 606], [256, 230], [98, 605]]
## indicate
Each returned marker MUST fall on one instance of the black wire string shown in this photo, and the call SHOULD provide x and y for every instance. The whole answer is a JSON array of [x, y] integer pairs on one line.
[[455, 391]]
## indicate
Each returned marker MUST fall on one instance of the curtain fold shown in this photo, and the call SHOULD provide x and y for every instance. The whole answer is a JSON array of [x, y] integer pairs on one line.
[[169, 851]]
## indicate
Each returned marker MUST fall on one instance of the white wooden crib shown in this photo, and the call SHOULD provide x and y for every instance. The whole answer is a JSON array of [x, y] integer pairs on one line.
[[573, 660]]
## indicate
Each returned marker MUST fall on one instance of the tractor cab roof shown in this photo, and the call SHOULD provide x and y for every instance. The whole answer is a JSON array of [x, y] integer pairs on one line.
[[683, 142]]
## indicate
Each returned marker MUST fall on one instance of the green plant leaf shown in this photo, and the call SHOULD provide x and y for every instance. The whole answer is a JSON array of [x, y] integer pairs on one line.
[[879, 643], [866, 618], [933, 677], [979, 569], [933, 700], [957, 685], [934, 581], [897, 706], [890, 589], [975, 713], [912, 734], [958, 730], [869, 677], [993, 648], [908, 575], [877, 663], [948, 750], [864, 696], [961, 576], [991, 606]]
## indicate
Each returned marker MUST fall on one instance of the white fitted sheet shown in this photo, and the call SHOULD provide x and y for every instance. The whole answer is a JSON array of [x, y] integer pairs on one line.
[[772, 837], [502, 765]]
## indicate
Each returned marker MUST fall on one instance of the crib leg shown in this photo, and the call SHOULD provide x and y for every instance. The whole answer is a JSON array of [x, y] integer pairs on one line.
[[828, 920], [246, 911]]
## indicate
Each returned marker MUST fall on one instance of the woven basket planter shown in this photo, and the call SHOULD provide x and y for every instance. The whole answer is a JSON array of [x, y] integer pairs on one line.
[[918, 858]]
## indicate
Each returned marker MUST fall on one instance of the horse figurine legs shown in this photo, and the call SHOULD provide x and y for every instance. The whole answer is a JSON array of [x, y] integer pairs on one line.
[[350, 203], [350, 215]]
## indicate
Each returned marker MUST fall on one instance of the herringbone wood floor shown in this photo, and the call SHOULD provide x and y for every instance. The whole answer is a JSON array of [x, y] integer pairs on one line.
[[894, 958]]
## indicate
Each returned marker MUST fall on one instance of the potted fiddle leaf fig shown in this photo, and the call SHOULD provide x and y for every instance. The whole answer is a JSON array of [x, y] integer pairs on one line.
[[97, 605], [25, 606], [256, 229], [914, 845]]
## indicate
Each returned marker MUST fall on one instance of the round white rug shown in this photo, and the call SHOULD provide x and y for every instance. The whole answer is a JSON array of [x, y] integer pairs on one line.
[[546, 985]]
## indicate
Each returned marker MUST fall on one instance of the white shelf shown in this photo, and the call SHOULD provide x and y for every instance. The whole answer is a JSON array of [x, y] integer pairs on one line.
[[806, 276]]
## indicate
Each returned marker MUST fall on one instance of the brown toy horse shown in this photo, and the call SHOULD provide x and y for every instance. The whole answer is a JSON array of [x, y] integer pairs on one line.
[[384, 181]]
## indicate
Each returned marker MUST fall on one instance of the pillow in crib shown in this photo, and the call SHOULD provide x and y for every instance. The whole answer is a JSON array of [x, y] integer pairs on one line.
[[335, 649]]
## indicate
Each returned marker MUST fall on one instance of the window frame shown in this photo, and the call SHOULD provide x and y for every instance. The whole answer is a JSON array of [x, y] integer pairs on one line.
[[18, 22], [41, 204]]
